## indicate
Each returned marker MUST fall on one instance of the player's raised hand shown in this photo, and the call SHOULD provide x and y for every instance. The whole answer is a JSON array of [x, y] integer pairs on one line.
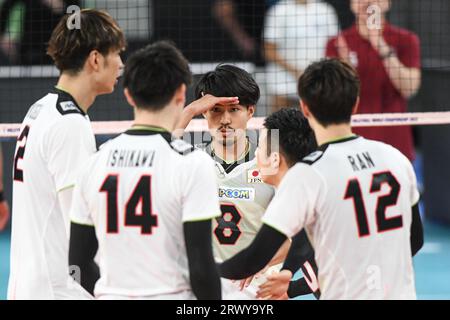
[[208, 102], [276, 286], [4, 214], [198, 107]]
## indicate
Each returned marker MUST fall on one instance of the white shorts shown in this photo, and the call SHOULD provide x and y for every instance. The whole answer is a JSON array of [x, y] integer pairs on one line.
[[280, 82]]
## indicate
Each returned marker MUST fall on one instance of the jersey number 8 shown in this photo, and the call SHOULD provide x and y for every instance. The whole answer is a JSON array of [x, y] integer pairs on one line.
[[227, 230]]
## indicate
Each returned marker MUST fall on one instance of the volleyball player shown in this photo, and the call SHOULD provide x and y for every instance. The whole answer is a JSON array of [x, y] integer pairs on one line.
[[356, 198], [55, 140], [146, 200]]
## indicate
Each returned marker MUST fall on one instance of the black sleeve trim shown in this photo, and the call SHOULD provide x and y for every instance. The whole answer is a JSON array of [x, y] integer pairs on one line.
[[301, 287], [82, 250], [298, 288], [300, 251], [203, 273], [416, 237], [256, 256]]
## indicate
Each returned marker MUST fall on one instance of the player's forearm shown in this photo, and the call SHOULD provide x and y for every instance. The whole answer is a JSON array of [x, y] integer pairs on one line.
[[300, 251], [298, 288], [416, 237], [406, 80], [83, 247], [255, 257], [271, 54], [203, 273], [186, 117], [281, 254]]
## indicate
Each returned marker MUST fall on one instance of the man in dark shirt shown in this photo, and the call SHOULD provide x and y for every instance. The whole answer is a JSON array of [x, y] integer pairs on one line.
[[243, 21], [39, 19]]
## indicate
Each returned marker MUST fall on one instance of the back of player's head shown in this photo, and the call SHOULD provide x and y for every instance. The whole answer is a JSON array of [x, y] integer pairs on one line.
[[69, 47], [229, 81], [154, 73], [330, 88], [296, 137]]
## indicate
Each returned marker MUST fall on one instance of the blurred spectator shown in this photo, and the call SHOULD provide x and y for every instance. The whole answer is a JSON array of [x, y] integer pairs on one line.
[[243, 21], [344, 12], [296, 33], [387, 59], [4, 209], [39, 17]]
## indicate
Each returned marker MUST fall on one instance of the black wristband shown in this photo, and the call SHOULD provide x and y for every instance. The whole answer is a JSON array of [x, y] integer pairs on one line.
[[298, 288], [2, 196]]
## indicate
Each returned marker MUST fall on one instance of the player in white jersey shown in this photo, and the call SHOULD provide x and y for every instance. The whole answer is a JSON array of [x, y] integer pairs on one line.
[[54, 142], [356, 198], [243, 195], [286, 139], [147, 201]]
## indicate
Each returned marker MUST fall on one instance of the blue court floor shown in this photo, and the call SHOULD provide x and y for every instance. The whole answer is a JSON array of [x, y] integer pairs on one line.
[[432, 264]]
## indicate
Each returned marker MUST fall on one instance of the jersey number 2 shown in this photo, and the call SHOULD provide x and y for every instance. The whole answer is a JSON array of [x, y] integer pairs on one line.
[[18, 173], [383, 202], [141, 195]]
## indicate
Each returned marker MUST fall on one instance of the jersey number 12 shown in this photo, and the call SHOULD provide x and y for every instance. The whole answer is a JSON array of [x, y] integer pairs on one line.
[[383, 202]]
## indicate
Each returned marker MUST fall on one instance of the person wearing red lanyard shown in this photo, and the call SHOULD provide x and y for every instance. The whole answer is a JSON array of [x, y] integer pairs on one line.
[[387, 59]]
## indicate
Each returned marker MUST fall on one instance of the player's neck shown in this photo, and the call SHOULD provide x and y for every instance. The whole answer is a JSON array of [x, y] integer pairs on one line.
[[80, 89], [155, 119], [277, 178], [331, 133], [231, 152]]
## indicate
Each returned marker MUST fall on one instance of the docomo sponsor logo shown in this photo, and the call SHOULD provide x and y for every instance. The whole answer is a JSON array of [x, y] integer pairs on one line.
[[240, 194], [74, 21]]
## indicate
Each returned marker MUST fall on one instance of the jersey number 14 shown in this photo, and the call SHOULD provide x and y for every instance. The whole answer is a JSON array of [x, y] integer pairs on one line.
[[141, 195]]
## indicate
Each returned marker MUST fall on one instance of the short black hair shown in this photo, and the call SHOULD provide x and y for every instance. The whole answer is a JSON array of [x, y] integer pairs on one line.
[[153, 74], [229, 81], [330, 88], [296, 136]]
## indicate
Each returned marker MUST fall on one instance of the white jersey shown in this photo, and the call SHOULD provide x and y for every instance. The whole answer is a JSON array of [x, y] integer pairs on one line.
[[243, 200], [137, 191], [56, 140], [354, 198]]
